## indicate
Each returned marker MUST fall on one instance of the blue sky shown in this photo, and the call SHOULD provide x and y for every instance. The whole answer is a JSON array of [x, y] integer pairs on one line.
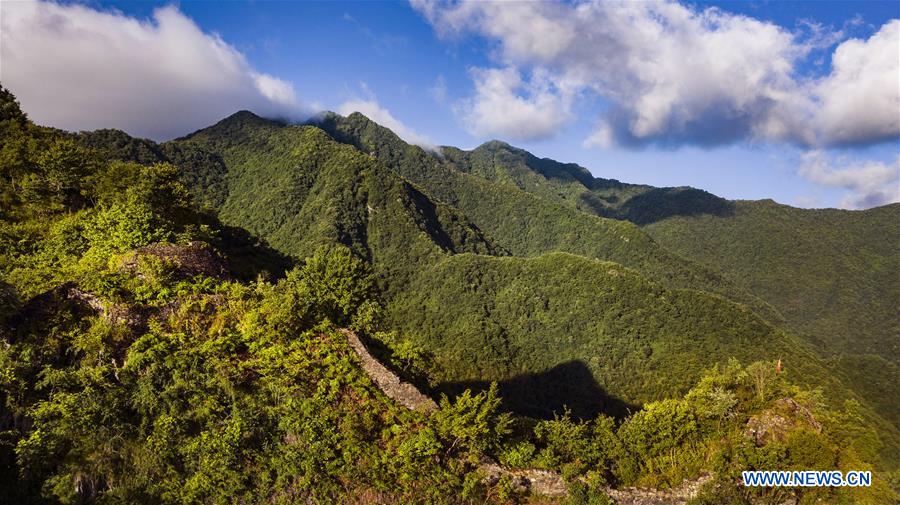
[[447, 75]]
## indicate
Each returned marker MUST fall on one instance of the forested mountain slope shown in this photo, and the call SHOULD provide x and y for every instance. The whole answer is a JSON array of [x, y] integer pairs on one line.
[[575, 186], [299, 189], [524, 223], [831, 273], [625, 338]]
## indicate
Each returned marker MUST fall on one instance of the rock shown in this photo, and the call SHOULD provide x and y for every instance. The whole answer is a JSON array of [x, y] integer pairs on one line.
[[678, 495], [785, 416], [552, 485], [118, 314], [544, 482], [194, 258], [92, 301], [531, 480]]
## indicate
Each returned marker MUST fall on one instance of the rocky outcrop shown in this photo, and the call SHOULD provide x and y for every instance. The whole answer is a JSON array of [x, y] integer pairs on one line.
[[387, 381], [88, 299], [189, 260], [776, 422], [134, 317]]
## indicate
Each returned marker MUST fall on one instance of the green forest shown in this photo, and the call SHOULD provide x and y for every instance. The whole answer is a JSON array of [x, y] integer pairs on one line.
[[172, 318]]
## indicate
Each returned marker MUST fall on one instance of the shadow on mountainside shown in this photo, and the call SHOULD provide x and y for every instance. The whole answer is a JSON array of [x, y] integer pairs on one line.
[[568, 385], [661, 203], [248, 256]]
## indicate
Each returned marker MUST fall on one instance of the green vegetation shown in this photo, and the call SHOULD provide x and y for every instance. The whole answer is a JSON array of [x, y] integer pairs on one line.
[[828, 275], [670, 440], [638, 340], [754, 245], [202, 171], [299, 189], [134, 369], [842, 288], [171, 314], [523, 223]]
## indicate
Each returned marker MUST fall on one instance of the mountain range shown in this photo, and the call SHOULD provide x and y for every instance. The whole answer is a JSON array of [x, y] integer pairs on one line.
[[759, 279]]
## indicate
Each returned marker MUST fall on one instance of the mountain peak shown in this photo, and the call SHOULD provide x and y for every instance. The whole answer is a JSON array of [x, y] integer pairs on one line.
[[244, 117], [494, 145], [243, 113], [358, 116], [237, 121], [327, 119]]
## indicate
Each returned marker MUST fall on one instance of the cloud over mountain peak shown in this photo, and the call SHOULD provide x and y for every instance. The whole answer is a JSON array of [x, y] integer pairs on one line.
[[79, 68]]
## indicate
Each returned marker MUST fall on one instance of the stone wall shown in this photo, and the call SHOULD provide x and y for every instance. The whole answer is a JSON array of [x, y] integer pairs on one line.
[[387, 381]]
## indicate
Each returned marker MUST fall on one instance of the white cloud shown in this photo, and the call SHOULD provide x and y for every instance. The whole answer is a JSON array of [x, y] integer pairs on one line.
[[672, 74], [861, 98], [504, 104], [374, 111], [602, 137], [869, 183], [78, 68], [276, 90]]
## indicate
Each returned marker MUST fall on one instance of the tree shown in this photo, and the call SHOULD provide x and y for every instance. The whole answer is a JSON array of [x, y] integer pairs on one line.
[[336, 280], [762, 374], [471, 425]]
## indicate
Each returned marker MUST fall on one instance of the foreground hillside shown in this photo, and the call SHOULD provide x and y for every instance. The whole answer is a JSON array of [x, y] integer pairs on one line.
[[138, 367]]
